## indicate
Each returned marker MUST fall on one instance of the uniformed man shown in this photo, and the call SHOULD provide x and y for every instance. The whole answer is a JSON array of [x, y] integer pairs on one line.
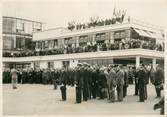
[[85, 82], [158, 80], [31, 76], [141, 81], [63, 82], [6, 76], [135, 72], [94, 83], [54, 77], [102, 84], [44, 77], [126, 83], [89, 72], [24, 76], [38, 76], [78, 83], [147, 70], [130, 75], [120, 82], [19, 73]]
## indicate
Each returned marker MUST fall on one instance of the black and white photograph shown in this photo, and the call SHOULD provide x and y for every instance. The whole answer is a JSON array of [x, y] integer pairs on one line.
[[83, 57]]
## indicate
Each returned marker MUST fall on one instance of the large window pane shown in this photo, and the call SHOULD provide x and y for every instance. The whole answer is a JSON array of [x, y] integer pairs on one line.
[[8, 42]]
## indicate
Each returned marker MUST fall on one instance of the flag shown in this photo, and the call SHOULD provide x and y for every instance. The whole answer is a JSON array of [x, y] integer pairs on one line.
[[114, 12]]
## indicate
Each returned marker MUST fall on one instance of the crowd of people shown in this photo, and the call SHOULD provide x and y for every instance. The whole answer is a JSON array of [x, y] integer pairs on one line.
[[89, 47], [118, 17], [93, 81]]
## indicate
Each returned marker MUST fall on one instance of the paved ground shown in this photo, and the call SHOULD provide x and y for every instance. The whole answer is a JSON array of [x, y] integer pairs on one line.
[[33, 99]]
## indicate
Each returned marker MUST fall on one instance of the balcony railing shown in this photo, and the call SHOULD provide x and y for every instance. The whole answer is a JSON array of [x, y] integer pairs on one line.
[[87, 48]]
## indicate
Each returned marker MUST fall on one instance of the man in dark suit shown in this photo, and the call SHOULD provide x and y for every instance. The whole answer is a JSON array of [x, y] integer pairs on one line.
[[63, 82], [158, 80], [94, 83], [135, 72], [126, 83], [79, 83], [53, 77], [85, 82], [141, 81]]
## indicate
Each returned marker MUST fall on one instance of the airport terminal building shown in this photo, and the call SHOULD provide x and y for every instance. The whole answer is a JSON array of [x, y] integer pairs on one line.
[[131, 42]]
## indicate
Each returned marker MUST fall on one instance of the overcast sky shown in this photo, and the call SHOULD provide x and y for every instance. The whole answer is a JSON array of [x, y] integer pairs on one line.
[[57, 13]]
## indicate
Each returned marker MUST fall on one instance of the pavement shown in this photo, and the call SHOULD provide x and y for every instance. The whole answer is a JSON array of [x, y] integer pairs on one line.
[[38, 99]]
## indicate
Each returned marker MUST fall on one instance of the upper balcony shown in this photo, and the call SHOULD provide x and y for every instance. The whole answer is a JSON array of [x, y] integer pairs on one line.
[[88, 49], [126, 53]]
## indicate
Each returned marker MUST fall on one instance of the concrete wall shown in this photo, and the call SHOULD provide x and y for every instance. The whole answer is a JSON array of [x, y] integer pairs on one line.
[[43, 64], [58, 64]]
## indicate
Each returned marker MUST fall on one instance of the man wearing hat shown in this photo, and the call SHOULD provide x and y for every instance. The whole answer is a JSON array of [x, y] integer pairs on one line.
[[158, 80], [14, 76], [85, 75], [63, 82], [78, 83], [111, 83], [120, 82], [102, 84], [94, 82], [141, 81], [126, 83]]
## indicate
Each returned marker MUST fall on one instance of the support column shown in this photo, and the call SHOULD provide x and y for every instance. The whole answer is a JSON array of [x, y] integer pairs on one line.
[[14, 42], [154, 63], [32, 65], [137, 61]]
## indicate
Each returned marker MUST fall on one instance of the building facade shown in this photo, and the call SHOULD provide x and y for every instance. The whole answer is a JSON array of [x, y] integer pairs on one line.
[[17, 35], [130, 42]]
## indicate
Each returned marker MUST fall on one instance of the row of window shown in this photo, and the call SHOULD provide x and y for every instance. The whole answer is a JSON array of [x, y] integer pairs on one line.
[[11, 25], [82, 39], [16, 42]]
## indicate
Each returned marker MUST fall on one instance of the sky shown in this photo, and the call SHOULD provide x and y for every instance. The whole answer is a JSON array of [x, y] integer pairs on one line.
[[57, 13]]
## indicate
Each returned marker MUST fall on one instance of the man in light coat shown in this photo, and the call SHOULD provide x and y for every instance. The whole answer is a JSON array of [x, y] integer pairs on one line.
[[14, 78], [120, 83], [111, 82]]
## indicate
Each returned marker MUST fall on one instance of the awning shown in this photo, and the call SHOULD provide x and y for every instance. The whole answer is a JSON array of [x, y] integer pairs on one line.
[[149, 34], [152, 34], [142, 32]]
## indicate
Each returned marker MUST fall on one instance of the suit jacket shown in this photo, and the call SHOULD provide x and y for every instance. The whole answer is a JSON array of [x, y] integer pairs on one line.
[[111, 78], [120, 77]]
